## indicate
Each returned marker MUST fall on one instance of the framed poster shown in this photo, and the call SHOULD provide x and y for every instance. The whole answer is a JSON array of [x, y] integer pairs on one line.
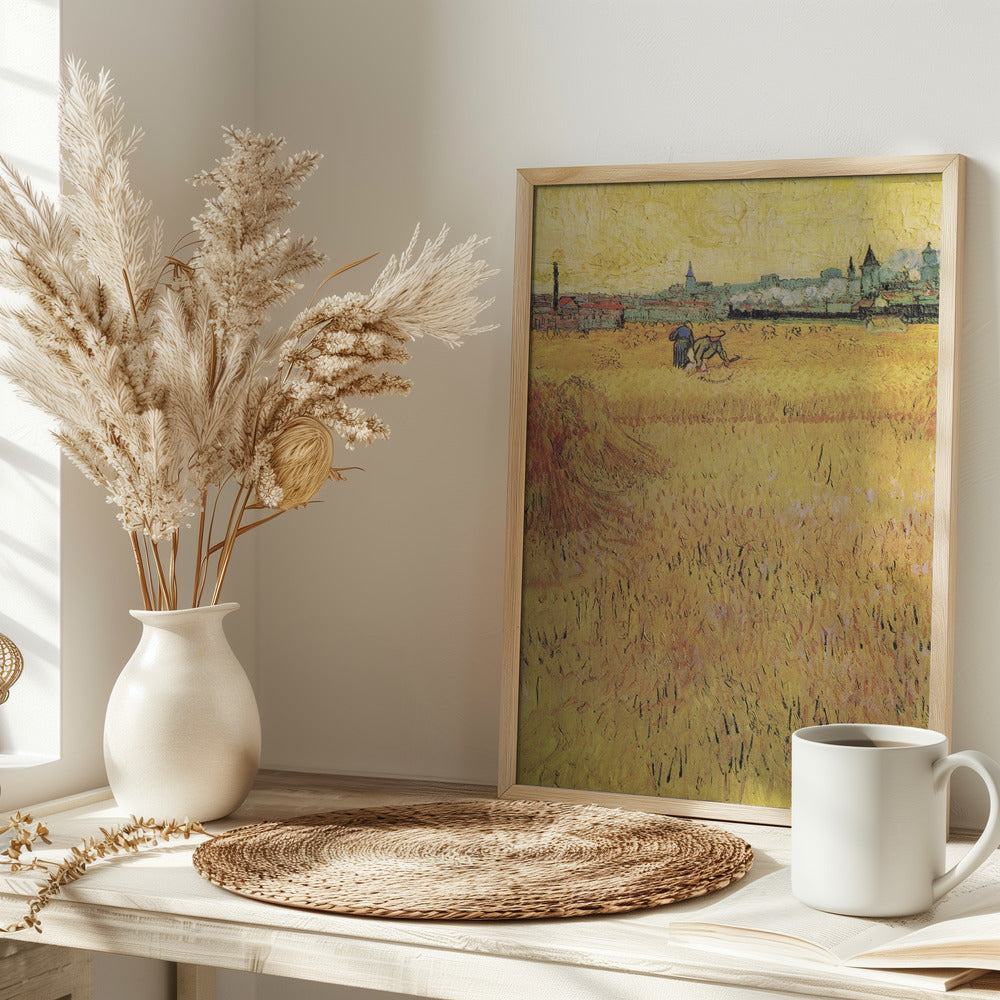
[[731, 472]]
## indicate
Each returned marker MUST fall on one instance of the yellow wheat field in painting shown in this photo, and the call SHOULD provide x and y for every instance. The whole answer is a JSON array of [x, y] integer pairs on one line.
[[714, 560]]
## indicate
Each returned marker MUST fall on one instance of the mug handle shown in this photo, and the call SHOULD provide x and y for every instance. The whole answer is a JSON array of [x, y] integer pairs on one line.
[[989, 839]]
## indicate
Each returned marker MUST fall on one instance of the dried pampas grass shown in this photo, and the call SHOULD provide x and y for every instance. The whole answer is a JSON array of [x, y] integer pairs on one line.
[[163, 386]]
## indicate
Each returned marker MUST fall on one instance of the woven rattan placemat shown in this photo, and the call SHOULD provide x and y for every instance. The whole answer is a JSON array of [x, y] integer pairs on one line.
[[475, 860]]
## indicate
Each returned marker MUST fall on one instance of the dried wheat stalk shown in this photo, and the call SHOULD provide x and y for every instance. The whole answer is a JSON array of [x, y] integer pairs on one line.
[[127, 839]]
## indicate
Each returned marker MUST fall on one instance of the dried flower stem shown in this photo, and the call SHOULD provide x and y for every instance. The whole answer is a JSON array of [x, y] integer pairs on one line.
[[211, 526], [174, 543], [232, 533], [126, 839], [141, 569], [162, 603], [201, 541], [131, 297], [340, 271], [245, 528], [146, 544]]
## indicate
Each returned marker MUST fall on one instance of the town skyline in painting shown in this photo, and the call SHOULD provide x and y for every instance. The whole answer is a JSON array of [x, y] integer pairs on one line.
[[907, 285]]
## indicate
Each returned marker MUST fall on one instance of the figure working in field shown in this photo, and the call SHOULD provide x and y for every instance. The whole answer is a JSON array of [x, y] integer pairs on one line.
[[683, 338], [710, 347]]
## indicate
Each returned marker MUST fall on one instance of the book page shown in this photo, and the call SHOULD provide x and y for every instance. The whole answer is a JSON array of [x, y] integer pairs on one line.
[[972, 941], [767, 904]]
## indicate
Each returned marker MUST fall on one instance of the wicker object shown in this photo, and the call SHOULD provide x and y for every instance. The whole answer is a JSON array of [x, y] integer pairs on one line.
[[11, 663], [475, 860]]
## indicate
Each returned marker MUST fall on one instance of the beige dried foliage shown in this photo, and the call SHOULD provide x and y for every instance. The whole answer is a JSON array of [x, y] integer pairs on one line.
[[163, 382], [130, 838], [301, 457]]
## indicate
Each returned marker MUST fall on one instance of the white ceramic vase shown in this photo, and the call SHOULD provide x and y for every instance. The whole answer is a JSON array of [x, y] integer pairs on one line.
[[182, 731]]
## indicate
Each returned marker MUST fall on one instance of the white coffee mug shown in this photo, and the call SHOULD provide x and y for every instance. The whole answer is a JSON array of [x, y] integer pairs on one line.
[[869, 818]]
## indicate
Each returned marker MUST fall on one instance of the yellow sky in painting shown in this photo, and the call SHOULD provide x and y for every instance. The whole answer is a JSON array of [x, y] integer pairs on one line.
[[640, 237]]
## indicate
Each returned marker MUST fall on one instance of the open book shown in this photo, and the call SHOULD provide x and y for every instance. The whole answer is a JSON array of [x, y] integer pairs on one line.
[[955, 941]]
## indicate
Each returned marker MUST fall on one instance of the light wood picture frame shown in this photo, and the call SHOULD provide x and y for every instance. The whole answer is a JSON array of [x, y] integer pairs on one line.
[[731, 472]]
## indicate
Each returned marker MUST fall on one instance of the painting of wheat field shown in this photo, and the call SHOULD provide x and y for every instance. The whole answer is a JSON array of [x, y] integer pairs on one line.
[[729, 476]]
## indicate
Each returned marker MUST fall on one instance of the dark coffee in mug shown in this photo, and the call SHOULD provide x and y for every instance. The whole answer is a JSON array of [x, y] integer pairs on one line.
[[867, 743]]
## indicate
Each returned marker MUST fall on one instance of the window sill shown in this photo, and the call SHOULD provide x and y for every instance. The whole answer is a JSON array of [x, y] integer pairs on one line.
[[12, 761]]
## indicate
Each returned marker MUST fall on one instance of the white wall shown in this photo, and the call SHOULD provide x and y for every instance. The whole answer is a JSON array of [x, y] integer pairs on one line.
[[381, 608], [381, 612]]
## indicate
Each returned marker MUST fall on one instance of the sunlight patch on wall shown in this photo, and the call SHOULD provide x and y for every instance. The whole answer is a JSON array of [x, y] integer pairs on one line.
[[29, 458]]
